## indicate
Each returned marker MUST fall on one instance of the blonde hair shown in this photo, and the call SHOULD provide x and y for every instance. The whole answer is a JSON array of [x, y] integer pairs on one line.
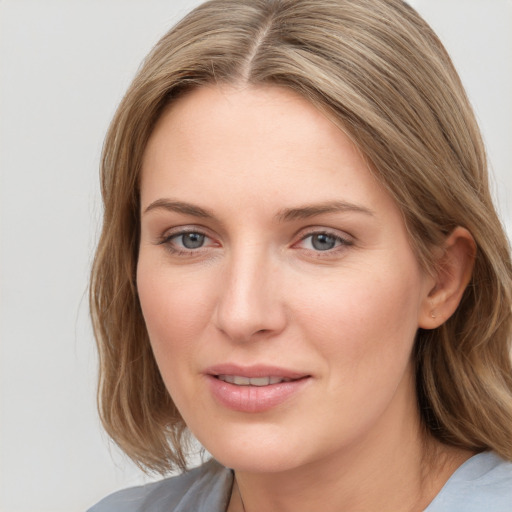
[[379, 71]]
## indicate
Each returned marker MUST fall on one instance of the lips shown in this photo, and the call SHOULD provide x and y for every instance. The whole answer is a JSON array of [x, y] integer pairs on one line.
[[256, 388]]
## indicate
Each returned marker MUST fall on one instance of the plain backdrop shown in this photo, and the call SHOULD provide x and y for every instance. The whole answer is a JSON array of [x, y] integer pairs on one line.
[[64, 65]]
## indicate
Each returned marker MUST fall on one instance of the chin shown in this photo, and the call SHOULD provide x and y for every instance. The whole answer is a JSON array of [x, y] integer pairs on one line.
[[271, 452], [258, 461]]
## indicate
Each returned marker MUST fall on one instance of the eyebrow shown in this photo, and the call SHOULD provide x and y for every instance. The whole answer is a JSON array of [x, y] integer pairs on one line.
[[307, 211], [179, 207], [285, 215]]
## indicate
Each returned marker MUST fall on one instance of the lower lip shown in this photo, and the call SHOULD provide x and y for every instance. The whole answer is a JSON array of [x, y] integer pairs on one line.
[[254, 398]]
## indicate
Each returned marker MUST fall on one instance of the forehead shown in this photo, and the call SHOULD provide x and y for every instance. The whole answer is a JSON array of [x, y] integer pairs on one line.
[[253, 142], [258, 116]]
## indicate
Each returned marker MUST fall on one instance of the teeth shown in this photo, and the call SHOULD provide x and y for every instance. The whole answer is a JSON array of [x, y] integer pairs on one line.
[[259, 381], [252, 381], [276, 380]]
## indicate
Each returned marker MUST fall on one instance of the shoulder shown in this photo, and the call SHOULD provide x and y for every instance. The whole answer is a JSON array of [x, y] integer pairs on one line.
[[482, 483], [206, 488]]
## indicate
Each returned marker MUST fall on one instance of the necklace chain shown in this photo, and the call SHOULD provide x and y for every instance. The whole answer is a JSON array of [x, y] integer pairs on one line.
[[240, 494]]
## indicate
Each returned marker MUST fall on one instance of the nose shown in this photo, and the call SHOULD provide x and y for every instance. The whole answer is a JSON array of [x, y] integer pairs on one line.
[[251, 301]]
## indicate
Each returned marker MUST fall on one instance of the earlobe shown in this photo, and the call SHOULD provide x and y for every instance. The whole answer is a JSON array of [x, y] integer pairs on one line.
[[452, 275]]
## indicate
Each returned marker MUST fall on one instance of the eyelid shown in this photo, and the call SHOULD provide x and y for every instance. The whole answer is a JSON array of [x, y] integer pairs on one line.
[[344, 238], [166, 239], [174, 232], [323, 230], [183, 230]]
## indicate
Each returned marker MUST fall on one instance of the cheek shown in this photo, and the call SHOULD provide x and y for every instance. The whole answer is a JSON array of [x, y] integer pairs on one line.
[[176, 310], [368, 323]]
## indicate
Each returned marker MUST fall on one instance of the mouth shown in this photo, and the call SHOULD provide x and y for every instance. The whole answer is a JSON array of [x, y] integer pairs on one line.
[[255, 375], [255, 389], [239, 380]]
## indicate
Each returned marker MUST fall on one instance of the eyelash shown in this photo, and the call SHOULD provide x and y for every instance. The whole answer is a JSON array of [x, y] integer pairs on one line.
[[341, 242], [167, 241]]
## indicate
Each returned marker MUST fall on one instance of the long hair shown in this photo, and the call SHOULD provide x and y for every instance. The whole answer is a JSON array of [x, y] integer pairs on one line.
[[378, 70]]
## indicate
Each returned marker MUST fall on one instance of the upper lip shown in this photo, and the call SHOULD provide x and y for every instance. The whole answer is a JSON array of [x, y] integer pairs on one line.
[[254, 371]]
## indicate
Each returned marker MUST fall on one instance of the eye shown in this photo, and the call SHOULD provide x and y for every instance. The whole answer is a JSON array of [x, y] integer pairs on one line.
[[322, 242], [189, 240], [186, 241]]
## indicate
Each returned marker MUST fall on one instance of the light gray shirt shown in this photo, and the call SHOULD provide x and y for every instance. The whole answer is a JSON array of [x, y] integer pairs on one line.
[[482, 484]]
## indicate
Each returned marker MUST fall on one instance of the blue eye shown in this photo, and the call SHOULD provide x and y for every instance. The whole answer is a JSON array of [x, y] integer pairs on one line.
[[322, 242], [189, 240]]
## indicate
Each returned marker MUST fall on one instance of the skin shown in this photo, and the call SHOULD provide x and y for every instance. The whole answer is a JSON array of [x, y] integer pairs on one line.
[[262, 163]]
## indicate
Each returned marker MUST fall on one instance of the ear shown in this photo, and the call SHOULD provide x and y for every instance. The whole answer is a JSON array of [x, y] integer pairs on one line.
[[452, 275]]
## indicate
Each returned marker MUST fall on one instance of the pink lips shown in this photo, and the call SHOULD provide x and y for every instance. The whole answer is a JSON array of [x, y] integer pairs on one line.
[[283, 385]]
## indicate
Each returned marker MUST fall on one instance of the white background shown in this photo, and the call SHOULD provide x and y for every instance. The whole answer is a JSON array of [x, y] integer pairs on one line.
[[64, 65]]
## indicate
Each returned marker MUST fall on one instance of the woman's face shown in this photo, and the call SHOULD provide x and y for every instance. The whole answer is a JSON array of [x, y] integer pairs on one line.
[[279, 290]]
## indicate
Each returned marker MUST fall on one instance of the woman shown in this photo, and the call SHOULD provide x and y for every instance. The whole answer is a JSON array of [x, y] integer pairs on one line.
[[301, 265]]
